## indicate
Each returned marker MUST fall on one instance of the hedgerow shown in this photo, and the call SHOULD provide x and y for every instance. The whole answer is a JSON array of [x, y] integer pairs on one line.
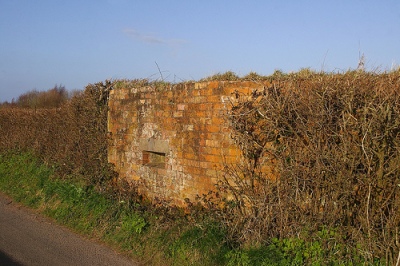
[[334, 143]]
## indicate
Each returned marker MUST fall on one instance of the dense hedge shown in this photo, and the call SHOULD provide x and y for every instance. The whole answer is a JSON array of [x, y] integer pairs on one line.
[[72, 138], [335, 141]]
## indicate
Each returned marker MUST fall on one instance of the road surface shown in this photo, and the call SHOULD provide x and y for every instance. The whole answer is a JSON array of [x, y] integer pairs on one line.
[[27, 238]]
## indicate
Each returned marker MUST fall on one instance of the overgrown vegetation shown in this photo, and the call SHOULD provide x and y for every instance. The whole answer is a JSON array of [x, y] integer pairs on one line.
[[334, 141], [333, 198], [71, 138], [227, 76]]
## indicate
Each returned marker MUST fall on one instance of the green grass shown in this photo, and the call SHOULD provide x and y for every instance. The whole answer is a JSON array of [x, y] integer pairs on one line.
[[155, 237], [143, 234]]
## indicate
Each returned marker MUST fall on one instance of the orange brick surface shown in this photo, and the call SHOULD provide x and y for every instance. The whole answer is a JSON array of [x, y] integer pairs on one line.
[[186, 123]]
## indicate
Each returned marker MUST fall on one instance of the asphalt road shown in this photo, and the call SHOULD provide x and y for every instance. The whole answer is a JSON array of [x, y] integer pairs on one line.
[[27, 238]]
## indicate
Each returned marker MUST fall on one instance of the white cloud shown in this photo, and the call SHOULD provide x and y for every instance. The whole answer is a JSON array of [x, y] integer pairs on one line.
[[149, 38]]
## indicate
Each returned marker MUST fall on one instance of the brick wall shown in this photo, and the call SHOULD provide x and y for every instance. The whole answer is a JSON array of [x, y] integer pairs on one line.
[[174, 141]]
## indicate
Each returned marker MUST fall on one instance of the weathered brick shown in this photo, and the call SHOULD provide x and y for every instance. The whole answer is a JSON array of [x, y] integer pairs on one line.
[[206, 91], [181, 106], [205, 165], [213, 158], [212, 128], [178, 114], [204, 106], [189, 155], [191, 118], [217, 120]]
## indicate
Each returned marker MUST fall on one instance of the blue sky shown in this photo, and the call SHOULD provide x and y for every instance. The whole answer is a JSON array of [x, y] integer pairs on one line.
[[74, 43]]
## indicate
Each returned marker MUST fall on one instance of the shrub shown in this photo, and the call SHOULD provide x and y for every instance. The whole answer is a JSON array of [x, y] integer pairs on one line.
[[334, 141]]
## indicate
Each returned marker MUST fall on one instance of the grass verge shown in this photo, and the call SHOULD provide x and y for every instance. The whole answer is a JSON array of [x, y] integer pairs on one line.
[[155, 238]]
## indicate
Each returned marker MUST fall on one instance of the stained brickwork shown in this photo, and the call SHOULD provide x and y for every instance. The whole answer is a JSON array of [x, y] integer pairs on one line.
[[174, 141]]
